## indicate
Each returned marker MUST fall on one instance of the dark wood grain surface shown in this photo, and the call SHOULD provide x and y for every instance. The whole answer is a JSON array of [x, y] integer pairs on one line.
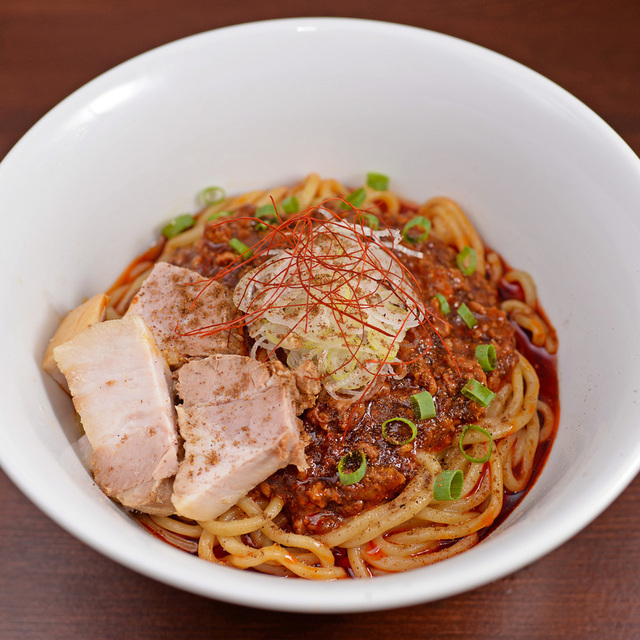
[[52, 586]]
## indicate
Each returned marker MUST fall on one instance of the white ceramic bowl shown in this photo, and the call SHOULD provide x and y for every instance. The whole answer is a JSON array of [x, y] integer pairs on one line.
[[547, 183]]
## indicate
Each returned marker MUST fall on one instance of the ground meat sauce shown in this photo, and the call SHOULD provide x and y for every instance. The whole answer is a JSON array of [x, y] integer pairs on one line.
[[442, 358], [212, 253]]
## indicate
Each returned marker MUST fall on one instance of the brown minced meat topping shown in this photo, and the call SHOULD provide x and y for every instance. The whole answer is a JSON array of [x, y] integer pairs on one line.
[[315, 500]]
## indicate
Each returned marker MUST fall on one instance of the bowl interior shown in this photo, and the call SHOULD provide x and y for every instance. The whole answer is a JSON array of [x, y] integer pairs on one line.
[[546, 182]]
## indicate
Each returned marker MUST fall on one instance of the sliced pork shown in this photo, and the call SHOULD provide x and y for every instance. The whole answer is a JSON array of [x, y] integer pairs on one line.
[[120, 385], [229, 378], [152, 497], [174, 302], [75, 322], [238, 420]]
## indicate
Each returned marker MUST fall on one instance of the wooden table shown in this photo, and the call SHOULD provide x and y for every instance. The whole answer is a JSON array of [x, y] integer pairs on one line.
[[52, 586]]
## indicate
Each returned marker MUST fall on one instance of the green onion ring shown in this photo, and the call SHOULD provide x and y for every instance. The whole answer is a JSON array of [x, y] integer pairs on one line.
[[423, 405], [466, 261], [475, 427], [418, 221], [448, 485], [391, 440], [358, 474], [486, 356], [212, 195]]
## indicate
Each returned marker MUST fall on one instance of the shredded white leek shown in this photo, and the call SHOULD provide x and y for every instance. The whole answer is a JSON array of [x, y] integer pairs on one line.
[[340, 300]]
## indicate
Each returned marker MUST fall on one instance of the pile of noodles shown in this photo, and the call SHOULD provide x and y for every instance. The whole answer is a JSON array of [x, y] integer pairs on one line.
[[413, 529]]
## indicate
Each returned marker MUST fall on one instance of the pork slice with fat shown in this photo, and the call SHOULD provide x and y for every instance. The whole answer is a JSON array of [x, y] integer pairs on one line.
[[120, 385], [232, 447], [176, 302], [152, 497], [225, 378], [238, 420], [221, 378], [75, 322]]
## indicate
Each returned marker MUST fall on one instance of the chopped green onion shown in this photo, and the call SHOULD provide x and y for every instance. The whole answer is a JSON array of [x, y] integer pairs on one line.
[[213, 195], [240, 247], [349, 461], [393, 440], [218, 214], [466, 260], [486, 356], [291, 205], [266, 212], [355, 198], [444, 305], [477, 392], [448, 485], [423, 405], [475, 427], [377, 181], [418, 221], [178, 225], [370, 219], [465, 313]]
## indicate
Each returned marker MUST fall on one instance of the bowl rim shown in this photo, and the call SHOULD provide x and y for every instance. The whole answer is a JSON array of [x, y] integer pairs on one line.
[[346, 596]]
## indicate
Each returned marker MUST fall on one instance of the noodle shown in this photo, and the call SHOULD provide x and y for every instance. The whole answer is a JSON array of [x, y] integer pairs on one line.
[[268, 530]]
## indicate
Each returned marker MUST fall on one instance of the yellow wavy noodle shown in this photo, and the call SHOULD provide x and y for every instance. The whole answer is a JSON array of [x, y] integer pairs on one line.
[[522, 314], [206, 545], [478, 520], [390, 200], [120, 298], [548, 421], [275, 195], [186, 238], [393, 563], [357, 563], [245, 557], [369, 524], [381, 543], [526, 283], [177, 539], [330, 189], [513, 406], [495, 268], [452, 226], [517, 454], [177, 526], [295, 553], [307, 190]]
